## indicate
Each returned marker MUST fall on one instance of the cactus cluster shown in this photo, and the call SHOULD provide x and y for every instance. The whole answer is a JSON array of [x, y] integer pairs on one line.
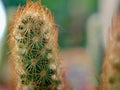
[[34, 49], [111, 67]]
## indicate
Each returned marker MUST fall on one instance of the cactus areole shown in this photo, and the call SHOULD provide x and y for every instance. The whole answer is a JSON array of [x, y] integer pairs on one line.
[[34, 49]]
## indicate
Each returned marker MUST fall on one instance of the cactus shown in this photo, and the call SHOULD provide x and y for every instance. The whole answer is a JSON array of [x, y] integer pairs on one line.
[[110, 78], [34, 51]]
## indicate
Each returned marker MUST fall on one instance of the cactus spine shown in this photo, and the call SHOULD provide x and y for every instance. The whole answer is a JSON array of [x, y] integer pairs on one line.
[[111, 67], [34, 49]]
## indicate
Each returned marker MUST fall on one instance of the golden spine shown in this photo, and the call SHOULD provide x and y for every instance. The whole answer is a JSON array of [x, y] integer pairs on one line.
[[110, 78]]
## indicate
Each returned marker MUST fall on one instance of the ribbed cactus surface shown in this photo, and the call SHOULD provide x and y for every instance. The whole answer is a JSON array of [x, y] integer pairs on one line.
[[34, 49], [111, 67]]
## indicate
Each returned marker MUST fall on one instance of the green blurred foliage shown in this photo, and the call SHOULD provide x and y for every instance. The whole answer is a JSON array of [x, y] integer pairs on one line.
[[60, 10], [4, 54]]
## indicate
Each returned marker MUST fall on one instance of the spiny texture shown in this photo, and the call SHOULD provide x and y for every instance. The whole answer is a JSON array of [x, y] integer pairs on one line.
[[111, 67], [34, 49]]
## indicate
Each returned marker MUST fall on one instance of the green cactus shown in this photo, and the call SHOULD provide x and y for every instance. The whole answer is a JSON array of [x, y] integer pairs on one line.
[[34, 49]]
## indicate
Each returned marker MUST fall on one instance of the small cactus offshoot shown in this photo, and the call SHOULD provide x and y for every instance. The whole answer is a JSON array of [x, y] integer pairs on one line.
[[110, 78], [34, 52]]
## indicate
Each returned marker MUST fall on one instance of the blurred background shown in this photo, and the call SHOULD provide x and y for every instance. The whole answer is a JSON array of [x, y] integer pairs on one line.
[[83, 26]]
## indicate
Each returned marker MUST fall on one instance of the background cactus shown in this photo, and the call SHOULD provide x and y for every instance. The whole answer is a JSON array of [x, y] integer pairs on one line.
[[34, 53], [111, 67]]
